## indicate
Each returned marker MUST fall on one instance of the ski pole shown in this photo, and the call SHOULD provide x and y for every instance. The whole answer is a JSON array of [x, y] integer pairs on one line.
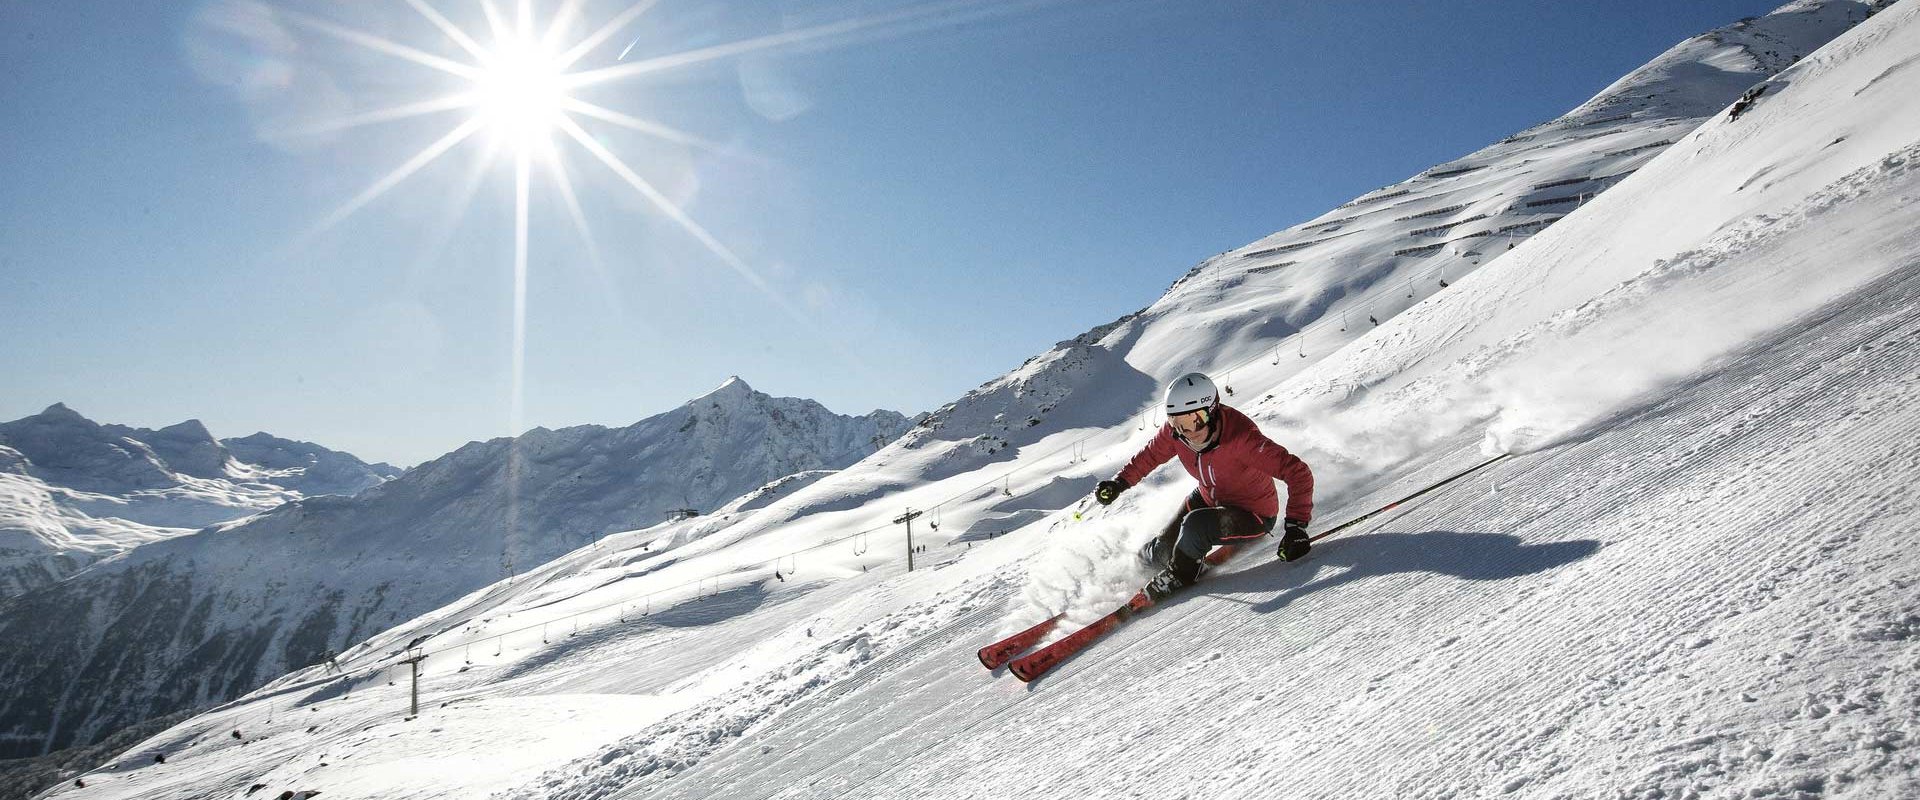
[[1080, 512], [1397, 503]]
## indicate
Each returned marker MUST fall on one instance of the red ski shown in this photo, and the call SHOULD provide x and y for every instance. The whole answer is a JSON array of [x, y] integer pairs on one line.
[[996, 655], [1035, 664]]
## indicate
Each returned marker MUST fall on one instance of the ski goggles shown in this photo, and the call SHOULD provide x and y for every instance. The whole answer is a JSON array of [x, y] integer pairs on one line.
[[1199, 415]]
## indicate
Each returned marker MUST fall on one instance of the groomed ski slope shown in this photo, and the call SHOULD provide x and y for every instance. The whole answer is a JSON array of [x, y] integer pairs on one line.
[[1706, 597], [1705, 589], [1694, 578], [1711, 594]]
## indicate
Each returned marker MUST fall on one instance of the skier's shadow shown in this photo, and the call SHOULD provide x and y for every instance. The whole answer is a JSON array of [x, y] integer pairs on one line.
[[1470, 556]]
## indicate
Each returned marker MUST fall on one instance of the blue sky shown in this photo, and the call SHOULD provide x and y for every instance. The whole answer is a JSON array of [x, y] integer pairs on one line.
[[921, 207]]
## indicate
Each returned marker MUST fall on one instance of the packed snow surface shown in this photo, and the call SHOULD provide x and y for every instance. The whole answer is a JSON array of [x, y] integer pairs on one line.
[[1693, 577]]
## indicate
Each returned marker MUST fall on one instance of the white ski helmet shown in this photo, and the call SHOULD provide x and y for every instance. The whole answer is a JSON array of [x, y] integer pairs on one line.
[[1190, 392]]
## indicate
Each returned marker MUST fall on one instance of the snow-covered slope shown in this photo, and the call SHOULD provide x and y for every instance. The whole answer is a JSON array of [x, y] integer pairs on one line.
[[1301, 293], [203, 617], [73, 491], [1693, 578]]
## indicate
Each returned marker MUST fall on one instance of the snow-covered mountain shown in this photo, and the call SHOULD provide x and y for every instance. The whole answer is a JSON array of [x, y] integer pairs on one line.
[[305, 467], [73, 491], [203, 617], [1692, 577]]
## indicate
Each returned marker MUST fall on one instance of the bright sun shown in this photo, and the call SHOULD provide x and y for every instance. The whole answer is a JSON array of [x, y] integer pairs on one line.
[[520, 93]]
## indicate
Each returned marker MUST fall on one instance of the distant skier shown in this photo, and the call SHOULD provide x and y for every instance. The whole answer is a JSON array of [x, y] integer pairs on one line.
[[1235, 502]]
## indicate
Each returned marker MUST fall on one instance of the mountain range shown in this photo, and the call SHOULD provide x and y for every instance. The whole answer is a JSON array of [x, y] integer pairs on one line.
[[73, 491], [199, 618]]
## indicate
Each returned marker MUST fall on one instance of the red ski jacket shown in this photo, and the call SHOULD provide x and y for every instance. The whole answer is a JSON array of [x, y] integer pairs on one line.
[[1237, 470]]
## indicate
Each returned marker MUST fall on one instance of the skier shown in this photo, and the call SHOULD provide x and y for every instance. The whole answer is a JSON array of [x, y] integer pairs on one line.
[[1235, 502]]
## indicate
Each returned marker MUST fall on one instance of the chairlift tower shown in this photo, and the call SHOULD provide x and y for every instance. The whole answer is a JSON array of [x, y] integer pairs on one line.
[[907, 519], [413, 706]]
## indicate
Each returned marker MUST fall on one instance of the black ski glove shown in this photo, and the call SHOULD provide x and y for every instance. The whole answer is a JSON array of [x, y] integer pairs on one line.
[[1294, 543], [1107, 491]]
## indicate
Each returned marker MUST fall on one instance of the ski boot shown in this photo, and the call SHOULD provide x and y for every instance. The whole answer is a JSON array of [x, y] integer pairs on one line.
[[1158, 551]]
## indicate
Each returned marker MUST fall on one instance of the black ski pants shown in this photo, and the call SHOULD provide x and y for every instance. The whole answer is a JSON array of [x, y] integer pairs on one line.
[[1199, 528]]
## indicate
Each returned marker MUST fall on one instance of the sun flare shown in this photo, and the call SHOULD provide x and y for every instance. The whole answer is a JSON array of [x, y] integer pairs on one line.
[[520, 94]]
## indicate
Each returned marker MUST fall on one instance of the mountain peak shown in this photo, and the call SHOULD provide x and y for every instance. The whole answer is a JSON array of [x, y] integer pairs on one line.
[[57, 420], [60, 411], [733, 389], [191, 429]]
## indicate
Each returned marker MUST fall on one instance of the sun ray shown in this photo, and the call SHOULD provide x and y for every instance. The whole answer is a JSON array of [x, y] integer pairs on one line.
[[400, 173], [636, 124], [451, 102], [495, 22], [447, 27], [674, 212], [801, 36], [667, 207], [376, 43], [552, 156], [522, 177], [558, 25], [448, 222], [600, 37], [609, 292]]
